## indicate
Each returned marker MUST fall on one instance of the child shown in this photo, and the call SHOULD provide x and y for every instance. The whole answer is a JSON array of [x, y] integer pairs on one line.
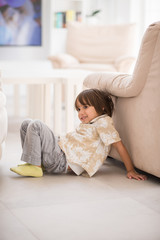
[[85, 149]]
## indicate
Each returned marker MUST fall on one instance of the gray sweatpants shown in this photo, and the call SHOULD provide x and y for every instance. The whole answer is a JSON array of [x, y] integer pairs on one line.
[[40, 147]]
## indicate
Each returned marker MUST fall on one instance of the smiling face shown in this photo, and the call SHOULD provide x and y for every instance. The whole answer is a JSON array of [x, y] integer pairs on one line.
[[86, 113]]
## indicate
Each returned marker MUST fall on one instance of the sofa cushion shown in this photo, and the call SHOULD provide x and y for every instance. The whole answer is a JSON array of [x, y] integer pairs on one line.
[[101, 43], [2, 100], [94, 67], [63, 60]]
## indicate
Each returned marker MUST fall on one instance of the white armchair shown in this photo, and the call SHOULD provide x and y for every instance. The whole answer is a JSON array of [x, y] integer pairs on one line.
[[3, 120], [137, 105], [98, 48]]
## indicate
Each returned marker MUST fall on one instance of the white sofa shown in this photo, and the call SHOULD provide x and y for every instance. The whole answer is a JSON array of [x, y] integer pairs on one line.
[[98, 48], [3, 120], [137, 103]]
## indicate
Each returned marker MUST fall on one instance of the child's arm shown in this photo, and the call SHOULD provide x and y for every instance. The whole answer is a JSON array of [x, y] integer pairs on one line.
[[131, 173]]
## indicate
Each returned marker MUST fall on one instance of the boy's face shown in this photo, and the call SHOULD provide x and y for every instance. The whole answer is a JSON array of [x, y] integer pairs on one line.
[[86, 113]]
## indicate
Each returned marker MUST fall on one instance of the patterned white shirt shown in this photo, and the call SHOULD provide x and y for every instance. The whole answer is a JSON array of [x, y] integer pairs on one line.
[[89, 145]]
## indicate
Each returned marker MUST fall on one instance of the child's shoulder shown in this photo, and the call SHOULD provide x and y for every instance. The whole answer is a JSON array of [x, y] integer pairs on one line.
[[104, 118], [103, 121]]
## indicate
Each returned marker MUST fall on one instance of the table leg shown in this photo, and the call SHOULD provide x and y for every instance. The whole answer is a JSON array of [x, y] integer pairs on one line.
[[16, 100], [58, 108], [47, 104], [70, 98]]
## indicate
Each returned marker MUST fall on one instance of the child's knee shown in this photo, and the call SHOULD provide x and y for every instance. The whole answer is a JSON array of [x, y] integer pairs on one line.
[[25, 124], [36, 125]]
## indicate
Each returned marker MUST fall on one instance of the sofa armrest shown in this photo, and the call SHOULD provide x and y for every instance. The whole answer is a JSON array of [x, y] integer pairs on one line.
[[2, 99], [3, 119], [125, 64], [117, 84], [63, 60]]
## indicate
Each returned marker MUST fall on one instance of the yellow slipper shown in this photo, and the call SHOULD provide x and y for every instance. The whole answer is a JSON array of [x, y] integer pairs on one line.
[[28, 171]]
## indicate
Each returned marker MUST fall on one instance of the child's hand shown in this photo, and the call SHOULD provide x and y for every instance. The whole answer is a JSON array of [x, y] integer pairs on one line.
[[134, 175]]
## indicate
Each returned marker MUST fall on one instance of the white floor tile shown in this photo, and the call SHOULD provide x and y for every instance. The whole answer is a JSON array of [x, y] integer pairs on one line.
[[12, 228], [106, 207], [121, 219]]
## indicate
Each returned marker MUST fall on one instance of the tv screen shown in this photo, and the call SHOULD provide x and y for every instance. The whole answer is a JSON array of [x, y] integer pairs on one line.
[[20, 23]]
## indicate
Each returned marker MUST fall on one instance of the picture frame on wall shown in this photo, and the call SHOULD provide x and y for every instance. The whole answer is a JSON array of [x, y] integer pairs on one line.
[[20, 23]]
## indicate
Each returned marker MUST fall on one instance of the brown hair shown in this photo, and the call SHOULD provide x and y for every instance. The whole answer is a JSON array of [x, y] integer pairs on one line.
[[100, 100]]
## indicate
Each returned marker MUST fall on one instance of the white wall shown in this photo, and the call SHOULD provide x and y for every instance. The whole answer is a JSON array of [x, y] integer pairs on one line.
[[143, 12]]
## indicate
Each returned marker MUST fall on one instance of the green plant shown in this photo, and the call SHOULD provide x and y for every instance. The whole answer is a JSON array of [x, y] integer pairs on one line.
[[94, 13]]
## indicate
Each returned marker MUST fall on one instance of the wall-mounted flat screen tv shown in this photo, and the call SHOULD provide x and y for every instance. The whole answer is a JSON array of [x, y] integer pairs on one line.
[[20, 23]]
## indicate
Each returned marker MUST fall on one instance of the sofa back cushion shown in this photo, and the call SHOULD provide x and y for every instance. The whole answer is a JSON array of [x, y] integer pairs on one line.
[[100, 43], [147, 67]]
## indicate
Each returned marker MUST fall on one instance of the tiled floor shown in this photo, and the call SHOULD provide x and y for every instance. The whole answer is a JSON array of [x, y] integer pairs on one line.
[[58, 207]]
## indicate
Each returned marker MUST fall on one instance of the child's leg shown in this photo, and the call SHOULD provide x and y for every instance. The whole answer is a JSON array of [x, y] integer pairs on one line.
[[28, 136], [23, 130], [38, 139], [39, 145], [56, 161]]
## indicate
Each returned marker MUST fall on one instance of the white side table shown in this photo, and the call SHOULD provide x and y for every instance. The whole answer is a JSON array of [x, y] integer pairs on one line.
[[41, 77]]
